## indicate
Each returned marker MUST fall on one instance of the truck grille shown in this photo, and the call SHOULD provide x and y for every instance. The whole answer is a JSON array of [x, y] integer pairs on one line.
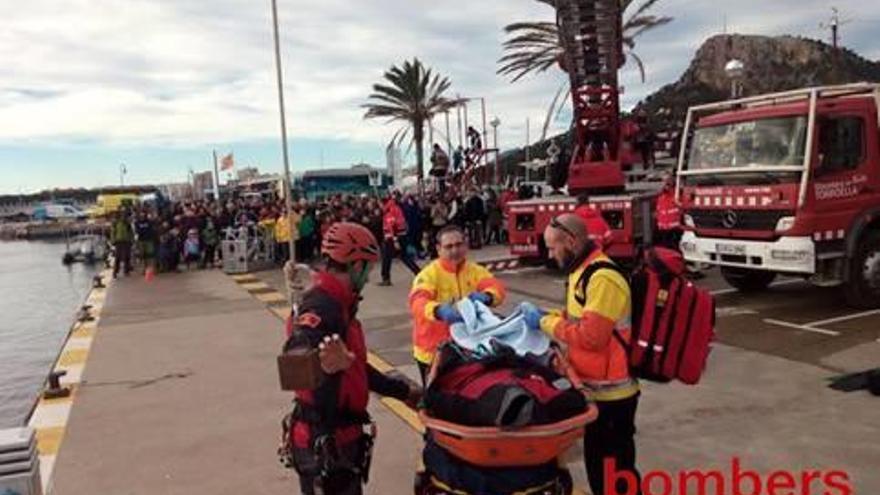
[[738, 219]]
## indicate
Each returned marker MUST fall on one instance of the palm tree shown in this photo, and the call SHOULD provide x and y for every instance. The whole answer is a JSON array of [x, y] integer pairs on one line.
[[411, 94], [534, 47]]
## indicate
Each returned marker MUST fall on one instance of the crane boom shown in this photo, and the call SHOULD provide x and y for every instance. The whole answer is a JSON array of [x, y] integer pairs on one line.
[[590, 31]]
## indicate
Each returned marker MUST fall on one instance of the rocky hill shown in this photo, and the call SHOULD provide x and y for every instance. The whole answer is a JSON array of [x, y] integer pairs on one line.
[[771, 64]]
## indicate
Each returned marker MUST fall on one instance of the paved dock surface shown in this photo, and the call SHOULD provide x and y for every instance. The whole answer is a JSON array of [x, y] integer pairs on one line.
[[181, 395]]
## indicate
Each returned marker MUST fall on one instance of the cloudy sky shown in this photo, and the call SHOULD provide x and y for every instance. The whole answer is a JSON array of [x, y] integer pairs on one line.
[[86, 85]]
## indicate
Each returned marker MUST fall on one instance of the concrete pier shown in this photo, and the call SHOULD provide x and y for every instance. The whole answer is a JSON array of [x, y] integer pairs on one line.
[[179, 396]]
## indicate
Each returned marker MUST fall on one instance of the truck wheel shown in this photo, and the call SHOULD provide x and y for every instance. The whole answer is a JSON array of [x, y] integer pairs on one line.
[[747, 280], [863, 288]]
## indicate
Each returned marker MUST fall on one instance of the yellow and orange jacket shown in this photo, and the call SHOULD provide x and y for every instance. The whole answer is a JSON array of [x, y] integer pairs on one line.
[[587, 329], [439, 283]]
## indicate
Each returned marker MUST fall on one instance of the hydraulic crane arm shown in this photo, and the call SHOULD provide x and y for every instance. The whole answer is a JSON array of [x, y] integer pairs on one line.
[[590, 31]]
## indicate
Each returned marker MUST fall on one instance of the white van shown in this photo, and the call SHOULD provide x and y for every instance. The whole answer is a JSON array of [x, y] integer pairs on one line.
[[57, 211]]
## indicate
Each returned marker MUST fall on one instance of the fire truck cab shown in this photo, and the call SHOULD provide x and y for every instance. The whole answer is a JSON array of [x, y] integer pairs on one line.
[[786, 183]]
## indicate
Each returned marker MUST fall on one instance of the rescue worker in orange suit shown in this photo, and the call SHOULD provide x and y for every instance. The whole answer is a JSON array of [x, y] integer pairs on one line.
[[328, 445], [597, 228], [394, 228], [668, 216], [595, 325], [436, 289]]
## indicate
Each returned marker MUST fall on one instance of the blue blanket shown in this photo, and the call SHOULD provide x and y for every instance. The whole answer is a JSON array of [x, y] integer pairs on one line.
[[482, 328]]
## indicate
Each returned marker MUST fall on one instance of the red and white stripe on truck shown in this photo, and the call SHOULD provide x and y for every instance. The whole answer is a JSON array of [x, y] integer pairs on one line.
[[628, 217]]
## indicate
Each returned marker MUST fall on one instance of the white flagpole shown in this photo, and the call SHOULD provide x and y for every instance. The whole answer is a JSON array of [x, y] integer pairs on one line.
[[288, 204], [216, 179]]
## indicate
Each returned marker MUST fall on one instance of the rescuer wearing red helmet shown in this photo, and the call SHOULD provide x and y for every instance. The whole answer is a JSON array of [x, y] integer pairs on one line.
[[597, 228], [327, 443]]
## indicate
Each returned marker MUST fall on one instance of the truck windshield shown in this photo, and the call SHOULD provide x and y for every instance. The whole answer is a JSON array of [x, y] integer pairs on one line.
[[765, 142]]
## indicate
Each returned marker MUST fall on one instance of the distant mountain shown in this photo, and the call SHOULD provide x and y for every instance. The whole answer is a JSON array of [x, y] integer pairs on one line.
[[771, 64]]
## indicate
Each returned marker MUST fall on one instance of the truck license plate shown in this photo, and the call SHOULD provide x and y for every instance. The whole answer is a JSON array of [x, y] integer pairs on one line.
[[734, 249]]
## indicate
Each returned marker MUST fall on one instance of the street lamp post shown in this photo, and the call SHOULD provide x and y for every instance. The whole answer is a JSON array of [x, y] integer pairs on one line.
[[122, 172], [287, 184], [495, 122]]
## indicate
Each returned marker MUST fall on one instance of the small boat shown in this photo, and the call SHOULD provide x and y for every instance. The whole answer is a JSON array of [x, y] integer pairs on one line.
[[87, 248]]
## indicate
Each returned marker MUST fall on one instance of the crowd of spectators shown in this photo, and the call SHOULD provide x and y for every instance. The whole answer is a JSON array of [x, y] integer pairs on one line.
[[188, 234]]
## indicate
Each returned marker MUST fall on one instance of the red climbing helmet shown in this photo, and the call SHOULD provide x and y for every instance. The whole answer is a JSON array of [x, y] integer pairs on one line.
[[346, 242]]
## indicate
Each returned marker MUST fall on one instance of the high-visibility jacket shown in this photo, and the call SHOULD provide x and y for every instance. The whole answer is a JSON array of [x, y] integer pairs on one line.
[[592, 313], [597, 229], [668, 212], [441, 282], [121, 231], [282, 229], [393, 221], [268, 224]]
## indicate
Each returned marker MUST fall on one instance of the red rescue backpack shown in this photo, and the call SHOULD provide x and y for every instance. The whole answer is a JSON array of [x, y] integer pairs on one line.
[[673, 320], [503, 390]]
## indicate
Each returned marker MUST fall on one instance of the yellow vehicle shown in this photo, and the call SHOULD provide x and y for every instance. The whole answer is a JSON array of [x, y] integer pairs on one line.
[[109, 204]]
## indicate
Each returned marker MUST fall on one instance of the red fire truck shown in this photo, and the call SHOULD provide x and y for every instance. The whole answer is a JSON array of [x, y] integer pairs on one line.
[[630, 217], [590, 33], [786, 183]]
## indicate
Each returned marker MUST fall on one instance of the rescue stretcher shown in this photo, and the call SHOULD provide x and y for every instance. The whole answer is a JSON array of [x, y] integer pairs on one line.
[[490, 448]]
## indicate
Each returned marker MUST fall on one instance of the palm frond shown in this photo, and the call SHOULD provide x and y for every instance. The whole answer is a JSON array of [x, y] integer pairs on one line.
[[532, 47], [643, 29], [644, 23], [639, 63], [553, 109], [411, 94], [644, 7], [535, 47], [400, 136]]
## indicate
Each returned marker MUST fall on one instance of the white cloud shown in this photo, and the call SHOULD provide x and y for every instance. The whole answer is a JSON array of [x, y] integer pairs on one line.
[[190, 72]]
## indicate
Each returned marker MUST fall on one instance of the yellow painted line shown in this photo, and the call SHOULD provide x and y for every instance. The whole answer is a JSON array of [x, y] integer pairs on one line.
[[244, 278], [282, 313], [270, 297], [95, 299], [49, 439], [74, 356], [83, 332], [254, 285], [405, 413], [379, 363], [91, 323], [401, 410]]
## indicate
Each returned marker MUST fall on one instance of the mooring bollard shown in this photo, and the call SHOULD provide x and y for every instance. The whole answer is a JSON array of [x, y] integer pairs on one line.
[[55, 390], [98, 282], [84, 315]]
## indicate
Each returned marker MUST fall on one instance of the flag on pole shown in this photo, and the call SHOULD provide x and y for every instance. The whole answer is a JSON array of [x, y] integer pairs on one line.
[[227, 162]]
